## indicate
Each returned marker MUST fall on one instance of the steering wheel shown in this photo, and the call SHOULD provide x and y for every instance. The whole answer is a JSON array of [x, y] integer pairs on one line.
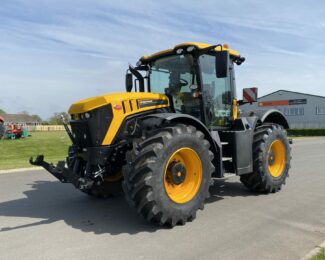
[[183, 82]]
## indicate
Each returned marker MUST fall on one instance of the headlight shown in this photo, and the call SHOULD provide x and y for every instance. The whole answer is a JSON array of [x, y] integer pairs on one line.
[[190, 48]]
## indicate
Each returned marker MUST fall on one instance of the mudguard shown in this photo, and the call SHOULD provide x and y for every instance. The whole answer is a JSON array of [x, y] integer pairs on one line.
[[270, 116], [212, 137]]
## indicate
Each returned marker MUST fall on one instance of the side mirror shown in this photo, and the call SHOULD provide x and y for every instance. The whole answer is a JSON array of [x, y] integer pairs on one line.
[[222, 61], [128, 82], [250, 95]]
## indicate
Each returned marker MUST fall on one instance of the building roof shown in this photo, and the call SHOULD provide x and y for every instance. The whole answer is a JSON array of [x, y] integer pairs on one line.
[[288, 91], [198, 45], [19, 118]]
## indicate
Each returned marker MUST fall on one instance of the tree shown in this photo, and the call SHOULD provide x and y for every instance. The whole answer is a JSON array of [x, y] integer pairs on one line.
[[56, 118], [37, 118], [24, 112], [2, 111]]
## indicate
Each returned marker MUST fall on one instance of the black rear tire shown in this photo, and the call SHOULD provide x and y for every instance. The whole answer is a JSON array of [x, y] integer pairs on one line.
[[262, 179], [144, 174]]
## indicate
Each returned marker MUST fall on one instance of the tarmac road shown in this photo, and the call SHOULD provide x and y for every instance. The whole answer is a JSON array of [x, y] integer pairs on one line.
[[41, 218]]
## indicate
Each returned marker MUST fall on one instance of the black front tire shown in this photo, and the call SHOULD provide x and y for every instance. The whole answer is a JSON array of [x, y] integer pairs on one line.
[[261, 180], [143, 183]]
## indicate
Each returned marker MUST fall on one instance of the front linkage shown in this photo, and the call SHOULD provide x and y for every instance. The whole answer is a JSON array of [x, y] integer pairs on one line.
[[63, 174], [59, 171], [67, 175]]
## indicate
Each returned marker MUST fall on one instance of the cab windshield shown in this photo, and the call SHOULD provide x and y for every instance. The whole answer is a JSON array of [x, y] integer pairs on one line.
[[175, 76]]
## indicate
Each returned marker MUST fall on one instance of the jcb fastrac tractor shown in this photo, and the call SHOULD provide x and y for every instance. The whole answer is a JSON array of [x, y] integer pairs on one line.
[[177, 127]]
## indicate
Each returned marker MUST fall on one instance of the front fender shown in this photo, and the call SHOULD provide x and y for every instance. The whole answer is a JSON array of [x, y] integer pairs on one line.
[[212, 137], [184, 119]]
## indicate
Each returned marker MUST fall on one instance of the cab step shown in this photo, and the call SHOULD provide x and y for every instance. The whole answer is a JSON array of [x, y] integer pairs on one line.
[[228, 175]]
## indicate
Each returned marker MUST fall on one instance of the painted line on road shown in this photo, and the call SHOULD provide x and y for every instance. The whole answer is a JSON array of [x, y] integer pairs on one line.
[[21, 170], [314, 252]]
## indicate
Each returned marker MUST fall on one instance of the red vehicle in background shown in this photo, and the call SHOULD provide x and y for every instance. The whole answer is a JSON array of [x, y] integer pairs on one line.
[[2, 127], [14, 132]]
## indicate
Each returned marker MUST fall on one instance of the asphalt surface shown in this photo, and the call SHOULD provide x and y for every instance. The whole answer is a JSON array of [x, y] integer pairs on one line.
[[41, 218]]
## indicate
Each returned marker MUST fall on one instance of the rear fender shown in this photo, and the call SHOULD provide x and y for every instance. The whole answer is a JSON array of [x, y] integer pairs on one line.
[[273, 116], [276, 117]]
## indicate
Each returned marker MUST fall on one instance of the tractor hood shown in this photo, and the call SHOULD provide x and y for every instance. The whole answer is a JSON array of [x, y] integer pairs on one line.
[[142, 99], [91, 113]]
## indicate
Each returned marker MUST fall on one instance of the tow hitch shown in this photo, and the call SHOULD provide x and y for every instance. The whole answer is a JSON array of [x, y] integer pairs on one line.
[[60, 172]]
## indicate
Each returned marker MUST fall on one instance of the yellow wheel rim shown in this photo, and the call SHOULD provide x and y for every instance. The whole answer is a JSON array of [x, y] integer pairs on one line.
[[190, 175], [115, 177], [276, 158]]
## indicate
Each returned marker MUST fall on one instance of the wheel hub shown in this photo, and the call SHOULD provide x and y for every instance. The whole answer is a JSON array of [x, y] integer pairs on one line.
[[177, 173], [271, 158]]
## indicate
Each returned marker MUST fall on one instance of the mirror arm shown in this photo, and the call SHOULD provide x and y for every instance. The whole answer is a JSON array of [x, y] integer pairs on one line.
[[138, 75], [240, 102], [142, 68]]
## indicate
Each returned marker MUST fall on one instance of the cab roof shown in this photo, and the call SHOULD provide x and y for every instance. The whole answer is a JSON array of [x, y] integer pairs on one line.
[[198, 45]]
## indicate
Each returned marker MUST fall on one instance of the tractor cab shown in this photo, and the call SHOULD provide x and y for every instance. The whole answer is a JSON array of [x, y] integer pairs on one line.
[[198, 78]]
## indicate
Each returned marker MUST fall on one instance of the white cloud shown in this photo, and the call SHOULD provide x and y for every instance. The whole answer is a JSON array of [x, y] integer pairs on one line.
[[61, 51]]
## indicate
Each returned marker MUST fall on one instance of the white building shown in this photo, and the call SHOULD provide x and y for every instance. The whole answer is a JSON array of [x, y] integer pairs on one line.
[[301, 110]]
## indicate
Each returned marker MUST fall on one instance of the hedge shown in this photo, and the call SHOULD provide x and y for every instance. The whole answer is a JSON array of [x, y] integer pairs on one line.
[[306, 132]]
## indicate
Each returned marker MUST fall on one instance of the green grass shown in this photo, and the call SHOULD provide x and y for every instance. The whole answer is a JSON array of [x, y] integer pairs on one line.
[[16, 153], [306, 132], [320, 255]]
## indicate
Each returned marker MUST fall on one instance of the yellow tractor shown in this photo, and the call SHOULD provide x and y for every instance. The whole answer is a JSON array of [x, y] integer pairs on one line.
[[177, 126]]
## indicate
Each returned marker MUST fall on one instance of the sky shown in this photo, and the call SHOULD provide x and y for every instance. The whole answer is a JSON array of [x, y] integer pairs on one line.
[[54, 53]]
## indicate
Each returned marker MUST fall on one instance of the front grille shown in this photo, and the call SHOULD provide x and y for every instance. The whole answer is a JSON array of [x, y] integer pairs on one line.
[[90, 130]]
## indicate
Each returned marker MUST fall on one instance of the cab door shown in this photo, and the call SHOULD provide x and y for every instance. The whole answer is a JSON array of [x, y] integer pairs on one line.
[[217, 93]]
